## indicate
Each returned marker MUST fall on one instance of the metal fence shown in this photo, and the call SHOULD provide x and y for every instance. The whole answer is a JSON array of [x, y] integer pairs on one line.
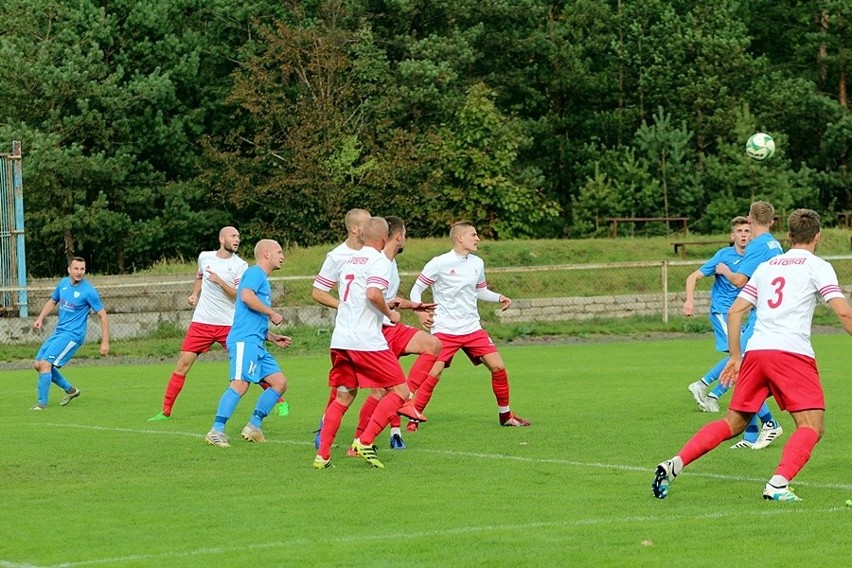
[[141, 305], [13, 282]]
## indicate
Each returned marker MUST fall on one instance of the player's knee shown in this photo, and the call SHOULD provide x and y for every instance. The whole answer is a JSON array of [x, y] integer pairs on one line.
[[434, 346], [41, 366]]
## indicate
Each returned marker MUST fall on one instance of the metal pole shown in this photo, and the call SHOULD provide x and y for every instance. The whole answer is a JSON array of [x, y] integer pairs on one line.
[[18, 187], [665, 291]]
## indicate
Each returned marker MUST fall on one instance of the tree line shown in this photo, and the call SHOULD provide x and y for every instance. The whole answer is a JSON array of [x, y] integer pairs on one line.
[[148, 125]]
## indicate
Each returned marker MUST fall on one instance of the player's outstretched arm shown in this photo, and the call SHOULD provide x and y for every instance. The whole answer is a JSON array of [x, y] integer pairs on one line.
[[689, 304], [104, 331], [736, 314], [48, 307], [254, 303], [403, 304], [844, 312], [324, 298], [196, 292]]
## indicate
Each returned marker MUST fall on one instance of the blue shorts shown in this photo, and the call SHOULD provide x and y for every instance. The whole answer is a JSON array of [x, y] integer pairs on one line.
[[720, 330], [58, 349], [251, 362]]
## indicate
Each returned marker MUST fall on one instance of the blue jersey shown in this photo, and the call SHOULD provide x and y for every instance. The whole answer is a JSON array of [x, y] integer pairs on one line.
[[251, 326], [75, 301], [759, 250], [723, 293]]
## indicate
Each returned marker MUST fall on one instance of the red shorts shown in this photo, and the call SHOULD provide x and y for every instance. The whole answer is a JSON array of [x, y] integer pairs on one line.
[[398, 337], [201, 336], [793, 380], [365, 369], [475, 345]]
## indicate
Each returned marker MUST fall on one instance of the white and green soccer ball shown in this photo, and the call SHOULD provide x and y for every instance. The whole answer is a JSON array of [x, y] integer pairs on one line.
[[760, 146]]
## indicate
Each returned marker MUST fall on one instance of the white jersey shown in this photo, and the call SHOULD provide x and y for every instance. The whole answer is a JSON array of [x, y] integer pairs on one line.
[[785, 291], [358, 326], [392, 289], [455, 280], [332, 266], [214, 307]]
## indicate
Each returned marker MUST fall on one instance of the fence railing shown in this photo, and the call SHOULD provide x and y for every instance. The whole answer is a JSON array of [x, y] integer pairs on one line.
[[138, 305]]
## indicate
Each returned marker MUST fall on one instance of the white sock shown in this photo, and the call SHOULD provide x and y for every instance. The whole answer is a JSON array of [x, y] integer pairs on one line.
[[778, 481], [395, 432]]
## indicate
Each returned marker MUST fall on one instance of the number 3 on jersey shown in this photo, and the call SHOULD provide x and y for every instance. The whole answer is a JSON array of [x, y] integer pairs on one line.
[[776, 300]]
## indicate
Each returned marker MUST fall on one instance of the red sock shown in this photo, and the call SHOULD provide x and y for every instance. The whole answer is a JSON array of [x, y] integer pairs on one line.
[[500, 386], [797, 452], [424, 393], [172, 391], [711, 435], [330, 425], [367, 409], [332, 396], [420, 370], [386, 408]]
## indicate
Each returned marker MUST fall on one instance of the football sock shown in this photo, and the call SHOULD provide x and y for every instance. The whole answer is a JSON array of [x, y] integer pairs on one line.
[[765, 415], [708, 437], [424, 393], [715, 372], [420, 370], [370, 404], [265, 403], [396, 421], [395, 431], [330, 425], [500, 386], [172, 391], [752, 431], [797, 452], [60, 381], [779, 481], [386, 408], [43, 387], [227, 405], [718, 391]]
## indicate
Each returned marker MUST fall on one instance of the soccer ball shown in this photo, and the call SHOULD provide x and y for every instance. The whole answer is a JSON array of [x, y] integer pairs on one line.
[[760, 146]]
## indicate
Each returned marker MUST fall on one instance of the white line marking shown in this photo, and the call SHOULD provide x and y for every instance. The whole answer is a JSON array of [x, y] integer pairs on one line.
[[460, 531], [477, 455]]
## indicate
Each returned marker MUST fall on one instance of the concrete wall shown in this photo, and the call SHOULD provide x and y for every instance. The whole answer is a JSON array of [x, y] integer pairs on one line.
[[137, 309]]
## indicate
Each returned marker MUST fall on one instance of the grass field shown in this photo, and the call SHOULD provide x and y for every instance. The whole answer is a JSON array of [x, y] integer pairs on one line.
[[94, 484]]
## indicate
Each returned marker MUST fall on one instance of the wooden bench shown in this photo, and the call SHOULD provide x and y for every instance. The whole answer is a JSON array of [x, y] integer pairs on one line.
[[681, 245]]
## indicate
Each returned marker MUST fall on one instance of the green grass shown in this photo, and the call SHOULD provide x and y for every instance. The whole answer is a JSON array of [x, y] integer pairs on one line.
[[93, 483], [539, 252]]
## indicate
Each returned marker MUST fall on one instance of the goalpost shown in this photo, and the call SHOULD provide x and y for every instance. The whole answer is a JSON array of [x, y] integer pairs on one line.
[[13, 259]]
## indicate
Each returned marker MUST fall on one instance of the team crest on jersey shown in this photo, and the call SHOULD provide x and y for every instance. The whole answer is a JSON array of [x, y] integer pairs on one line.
[[76, 294]]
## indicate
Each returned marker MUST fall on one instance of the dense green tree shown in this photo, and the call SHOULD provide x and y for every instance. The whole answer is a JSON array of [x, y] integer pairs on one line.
[[109, 99], [147, 125]]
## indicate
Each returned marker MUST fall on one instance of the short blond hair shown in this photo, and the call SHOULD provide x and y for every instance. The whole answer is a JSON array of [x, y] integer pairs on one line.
[[458, 227], [355, 218], [762, 213]]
